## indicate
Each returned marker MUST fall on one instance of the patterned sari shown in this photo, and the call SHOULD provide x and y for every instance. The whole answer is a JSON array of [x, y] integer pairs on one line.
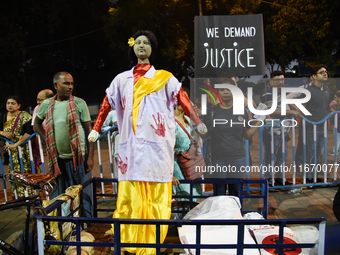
[[24, 118]]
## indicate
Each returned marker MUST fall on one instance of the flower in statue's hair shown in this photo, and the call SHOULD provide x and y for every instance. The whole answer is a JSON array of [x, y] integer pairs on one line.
[[131, 42]]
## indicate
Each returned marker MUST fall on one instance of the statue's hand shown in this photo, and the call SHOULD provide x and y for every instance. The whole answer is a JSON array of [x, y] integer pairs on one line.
[[202, 129], [93, 136]]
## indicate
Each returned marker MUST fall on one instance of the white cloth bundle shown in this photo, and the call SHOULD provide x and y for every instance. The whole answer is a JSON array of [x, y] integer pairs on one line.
[[216, 208]]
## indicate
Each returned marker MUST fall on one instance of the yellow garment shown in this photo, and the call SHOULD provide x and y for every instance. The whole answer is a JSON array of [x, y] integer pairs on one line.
[[142, 200], [145, 86]]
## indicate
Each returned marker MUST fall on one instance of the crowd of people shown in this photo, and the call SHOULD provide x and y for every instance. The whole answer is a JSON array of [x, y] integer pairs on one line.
[[63, 123], [154, 116]]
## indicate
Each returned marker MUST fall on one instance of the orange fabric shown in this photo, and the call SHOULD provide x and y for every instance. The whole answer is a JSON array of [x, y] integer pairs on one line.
[[103, 112], [186, 105], [139, 71]]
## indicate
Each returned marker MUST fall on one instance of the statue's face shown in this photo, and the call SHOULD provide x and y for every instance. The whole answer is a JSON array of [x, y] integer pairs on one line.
[[142, 47]]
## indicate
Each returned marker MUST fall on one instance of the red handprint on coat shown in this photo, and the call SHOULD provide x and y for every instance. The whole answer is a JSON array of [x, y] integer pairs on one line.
[[173, 99], [123, 103], [121, 165], [160, 130]]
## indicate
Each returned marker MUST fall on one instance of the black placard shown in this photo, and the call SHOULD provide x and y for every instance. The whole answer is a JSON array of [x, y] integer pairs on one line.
[[230, 45]]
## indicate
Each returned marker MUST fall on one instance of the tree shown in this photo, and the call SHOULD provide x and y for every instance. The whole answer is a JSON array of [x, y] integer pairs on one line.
[[299, 28], [89, 38]]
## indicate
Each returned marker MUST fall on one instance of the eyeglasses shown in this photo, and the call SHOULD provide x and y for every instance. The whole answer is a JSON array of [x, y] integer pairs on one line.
[[323, 72], [278, 80]]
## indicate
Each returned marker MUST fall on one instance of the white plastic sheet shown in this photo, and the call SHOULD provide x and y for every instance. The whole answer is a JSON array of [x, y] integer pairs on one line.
[[216, 208]]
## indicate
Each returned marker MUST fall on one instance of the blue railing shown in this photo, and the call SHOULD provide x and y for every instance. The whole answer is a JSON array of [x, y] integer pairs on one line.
[[325, 167], [259, 175], [240, 245], [114, 174], [32, 164]]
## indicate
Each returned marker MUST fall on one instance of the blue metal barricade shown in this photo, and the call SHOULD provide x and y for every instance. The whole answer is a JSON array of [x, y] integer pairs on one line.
[[240, 245], [314, 167], [107, 134], [326, 168], [32, 163]]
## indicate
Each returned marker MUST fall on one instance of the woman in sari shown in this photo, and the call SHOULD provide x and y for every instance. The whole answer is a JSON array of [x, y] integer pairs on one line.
[[15, 125]]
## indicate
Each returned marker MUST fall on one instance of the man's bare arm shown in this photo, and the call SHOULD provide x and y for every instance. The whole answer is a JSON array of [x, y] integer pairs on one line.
[[249, 132], [40, 129]]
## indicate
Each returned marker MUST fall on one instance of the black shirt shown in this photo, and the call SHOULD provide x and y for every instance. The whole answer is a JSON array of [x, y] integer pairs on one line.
[[227, 139], [318, 104]]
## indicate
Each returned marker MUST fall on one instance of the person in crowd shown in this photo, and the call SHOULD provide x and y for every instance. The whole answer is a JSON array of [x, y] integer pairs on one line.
[[144, 99], [276, 81], [227, 142], [68, 123], [318, 107], [335, 106], [15, 126], [299, 148], [298, 94], [182, 144], [336, 205], [245, 95], [42, 95], [250, 115], [111, 121]]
